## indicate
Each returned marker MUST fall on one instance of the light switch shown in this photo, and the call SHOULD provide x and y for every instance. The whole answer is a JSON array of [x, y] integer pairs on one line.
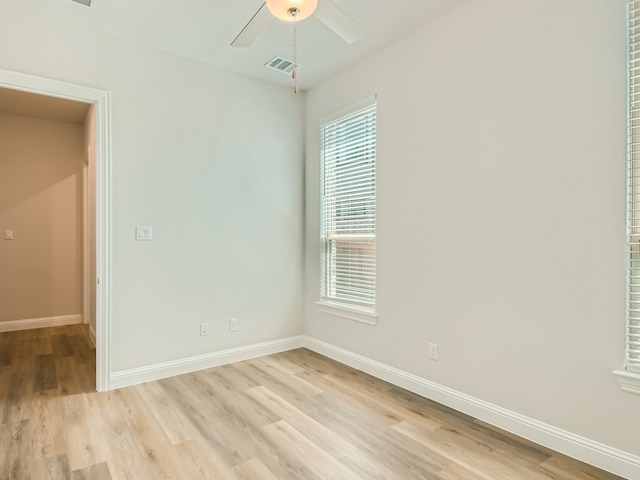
[[144, 233], [8, 234]]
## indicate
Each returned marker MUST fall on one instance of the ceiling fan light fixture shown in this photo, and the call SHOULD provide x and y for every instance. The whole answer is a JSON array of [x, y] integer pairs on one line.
[[281, 9]]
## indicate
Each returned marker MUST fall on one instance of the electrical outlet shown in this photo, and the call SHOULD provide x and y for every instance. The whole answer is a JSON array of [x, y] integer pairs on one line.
[[433, 351], [233, 324], [204, 329]]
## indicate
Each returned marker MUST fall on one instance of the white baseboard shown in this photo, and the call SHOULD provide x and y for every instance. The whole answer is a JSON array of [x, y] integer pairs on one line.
[[149, 373], [602, 456], [30, 323]]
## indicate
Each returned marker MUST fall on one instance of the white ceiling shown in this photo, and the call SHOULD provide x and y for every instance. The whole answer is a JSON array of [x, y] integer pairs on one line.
[[203, 30]]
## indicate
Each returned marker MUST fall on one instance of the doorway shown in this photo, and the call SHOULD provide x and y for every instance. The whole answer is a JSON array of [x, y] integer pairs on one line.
[[96, 199]]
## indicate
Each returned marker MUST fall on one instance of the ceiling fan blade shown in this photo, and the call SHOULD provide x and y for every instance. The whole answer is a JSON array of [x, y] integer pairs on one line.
[[251, 30], [337, 20]]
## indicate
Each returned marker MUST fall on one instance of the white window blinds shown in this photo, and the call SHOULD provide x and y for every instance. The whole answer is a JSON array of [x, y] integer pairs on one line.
[[348, 209], [633, 189]]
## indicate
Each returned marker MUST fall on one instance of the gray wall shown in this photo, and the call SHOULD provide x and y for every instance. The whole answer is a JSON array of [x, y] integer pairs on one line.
[[501, 195], [213, 162]]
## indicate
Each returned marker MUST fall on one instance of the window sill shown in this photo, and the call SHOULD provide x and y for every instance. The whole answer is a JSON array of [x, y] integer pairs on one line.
[[346, 311], [629, 382]]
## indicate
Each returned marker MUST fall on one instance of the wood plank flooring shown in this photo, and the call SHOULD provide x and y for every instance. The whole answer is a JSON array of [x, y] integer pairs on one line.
[[294, 415]]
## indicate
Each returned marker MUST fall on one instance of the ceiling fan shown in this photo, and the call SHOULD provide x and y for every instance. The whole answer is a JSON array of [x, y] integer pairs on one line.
[[295, 10]]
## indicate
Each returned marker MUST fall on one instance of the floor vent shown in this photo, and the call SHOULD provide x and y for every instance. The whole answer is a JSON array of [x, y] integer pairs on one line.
[[282, 64]]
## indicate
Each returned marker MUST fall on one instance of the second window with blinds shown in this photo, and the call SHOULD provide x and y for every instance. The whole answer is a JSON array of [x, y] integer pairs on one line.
[[348, 213]]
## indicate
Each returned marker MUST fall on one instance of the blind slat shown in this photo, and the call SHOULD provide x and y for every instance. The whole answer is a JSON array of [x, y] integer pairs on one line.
[[348, 208], [633, 188]]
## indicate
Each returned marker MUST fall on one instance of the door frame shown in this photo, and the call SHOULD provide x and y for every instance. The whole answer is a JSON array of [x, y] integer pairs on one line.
[[101, 100]]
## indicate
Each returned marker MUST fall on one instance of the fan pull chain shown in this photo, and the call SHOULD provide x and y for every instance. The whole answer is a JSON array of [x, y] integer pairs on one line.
[[294, 74]]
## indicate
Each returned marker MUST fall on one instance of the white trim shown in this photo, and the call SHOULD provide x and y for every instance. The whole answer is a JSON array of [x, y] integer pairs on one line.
[[86, 281], [102, 114], [346, 311], [31, 323], [600, 455], [102, 110], [629, 382], [158, 371], [594, 453]]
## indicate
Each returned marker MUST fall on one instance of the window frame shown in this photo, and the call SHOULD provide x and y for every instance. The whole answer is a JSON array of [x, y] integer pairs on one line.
[[353, 302], [629, 377]]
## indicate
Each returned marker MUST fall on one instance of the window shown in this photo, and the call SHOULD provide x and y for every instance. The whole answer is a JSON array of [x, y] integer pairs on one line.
[[633, 190], [348, 209], [630, 378]]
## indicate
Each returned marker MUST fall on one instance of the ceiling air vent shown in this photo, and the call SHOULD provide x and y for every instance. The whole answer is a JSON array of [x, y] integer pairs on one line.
[[83, 2], [282, 64]]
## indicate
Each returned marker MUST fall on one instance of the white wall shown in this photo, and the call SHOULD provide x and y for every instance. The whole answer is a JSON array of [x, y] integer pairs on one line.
[[501, 150], [213, 162], [501, 202]]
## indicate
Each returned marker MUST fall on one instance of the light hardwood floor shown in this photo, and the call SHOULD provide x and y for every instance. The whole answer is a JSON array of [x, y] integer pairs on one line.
[[294, 415]]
